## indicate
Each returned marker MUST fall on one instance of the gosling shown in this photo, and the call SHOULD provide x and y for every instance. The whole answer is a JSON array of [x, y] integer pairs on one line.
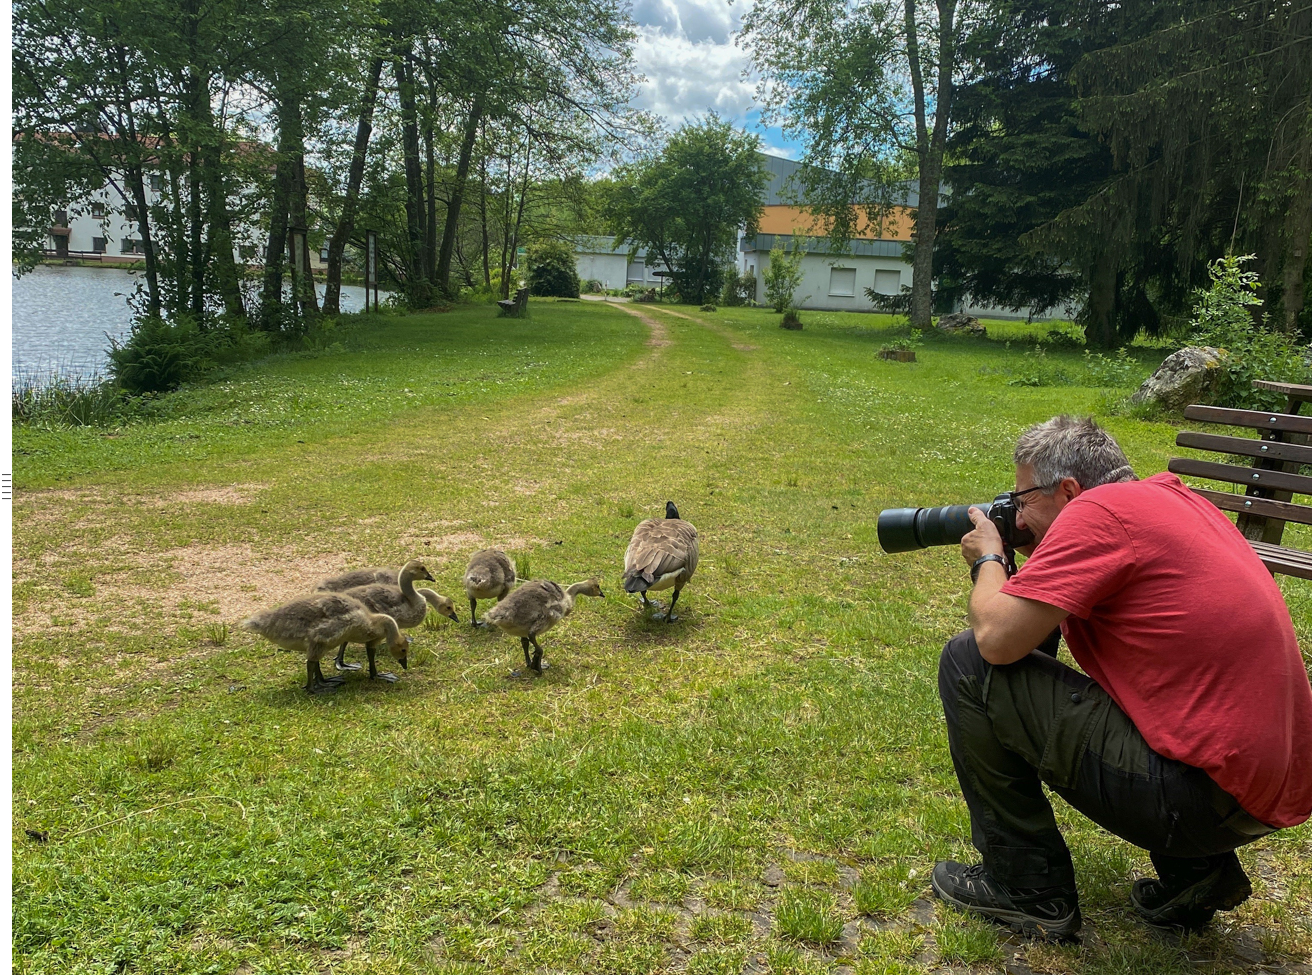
[[661, 554], [490, 575], [313, 625], [534, 608], [403, 602]]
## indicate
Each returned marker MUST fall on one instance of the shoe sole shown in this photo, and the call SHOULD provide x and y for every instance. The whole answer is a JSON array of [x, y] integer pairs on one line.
[[1056, 930], [1174, 915]]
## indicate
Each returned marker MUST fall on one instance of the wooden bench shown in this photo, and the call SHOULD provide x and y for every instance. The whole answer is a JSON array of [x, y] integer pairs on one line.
[[516, 307], [1278, 452]]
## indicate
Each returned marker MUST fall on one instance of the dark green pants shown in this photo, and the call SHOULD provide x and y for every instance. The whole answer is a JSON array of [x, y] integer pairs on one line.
[[1013, 729]]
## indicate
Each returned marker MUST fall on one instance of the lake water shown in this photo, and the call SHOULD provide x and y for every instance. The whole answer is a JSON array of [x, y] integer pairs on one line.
[[61, 316]]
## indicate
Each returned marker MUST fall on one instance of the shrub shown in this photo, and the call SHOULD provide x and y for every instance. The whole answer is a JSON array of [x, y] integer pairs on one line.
[[792, 320], [738, 289], [552, 271], [784, 273], [648, 295], [1104, 371], [159, 355], [594, 287], [708, 308], [1038, 370], [1069, 336], [1222, 319]]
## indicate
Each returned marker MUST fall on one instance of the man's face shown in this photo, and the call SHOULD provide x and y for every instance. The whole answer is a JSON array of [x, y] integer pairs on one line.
[[1037, 510]]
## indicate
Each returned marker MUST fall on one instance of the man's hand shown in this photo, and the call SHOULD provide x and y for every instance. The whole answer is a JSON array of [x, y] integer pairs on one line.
[[983, 540]]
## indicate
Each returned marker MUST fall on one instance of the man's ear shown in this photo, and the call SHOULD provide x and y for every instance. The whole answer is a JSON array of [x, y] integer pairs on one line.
[[1069, 488]]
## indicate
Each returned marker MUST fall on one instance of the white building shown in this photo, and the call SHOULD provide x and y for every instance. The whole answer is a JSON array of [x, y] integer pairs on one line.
[[600, 259], [832, 281]]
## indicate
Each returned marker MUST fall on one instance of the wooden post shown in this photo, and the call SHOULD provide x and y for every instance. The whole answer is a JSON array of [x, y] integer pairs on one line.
[[371, 268], [1271, 530]]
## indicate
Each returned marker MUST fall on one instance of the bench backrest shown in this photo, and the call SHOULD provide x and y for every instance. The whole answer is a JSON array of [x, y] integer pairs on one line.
[[1271, 482]]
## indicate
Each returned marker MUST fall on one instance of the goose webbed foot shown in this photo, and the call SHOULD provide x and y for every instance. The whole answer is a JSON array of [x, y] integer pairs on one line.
[[316, 683], [341, 664], [374, 672], [669, 616]]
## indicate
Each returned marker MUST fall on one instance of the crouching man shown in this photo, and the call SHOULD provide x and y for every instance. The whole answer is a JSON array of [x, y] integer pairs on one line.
[[1191, 734]]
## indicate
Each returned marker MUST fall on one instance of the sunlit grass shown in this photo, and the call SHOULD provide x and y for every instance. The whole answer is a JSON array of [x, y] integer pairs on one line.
[[743, 783]]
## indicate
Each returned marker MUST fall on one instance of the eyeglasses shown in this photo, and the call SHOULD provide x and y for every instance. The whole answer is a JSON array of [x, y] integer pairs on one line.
[[1015, 496]]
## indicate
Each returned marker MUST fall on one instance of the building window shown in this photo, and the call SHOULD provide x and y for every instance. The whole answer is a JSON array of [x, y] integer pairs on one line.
[[842, 282], [323, 253], [130, 213], [156, 182], [61, 218], [131, 245], [98, 244], [888, 282], [98, 211]]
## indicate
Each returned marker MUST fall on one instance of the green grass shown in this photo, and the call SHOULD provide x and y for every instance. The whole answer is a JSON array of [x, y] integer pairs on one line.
[[624, 812]]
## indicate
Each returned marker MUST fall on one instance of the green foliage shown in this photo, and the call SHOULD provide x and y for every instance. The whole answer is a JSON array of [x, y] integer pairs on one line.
[[61, 401], [737, 289], [791, 319], [160, 355], [913, 340], [784, 273], [687, 204], [1222, 318], [552, 270], [1119, 370]]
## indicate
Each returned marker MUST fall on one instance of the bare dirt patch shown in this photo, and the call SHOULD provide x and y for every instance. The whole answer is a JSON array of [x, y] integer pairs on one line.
[[660, 334]]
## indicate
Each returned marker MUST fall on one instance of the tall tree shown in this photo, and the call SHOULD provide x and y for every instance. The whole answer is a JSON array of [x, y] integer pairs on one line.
[[864, 84], [687, 204]]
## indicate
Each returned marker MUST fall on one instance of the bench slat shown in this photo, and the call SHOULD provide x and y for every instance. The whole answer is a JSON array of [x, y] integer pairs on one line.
[[1246, 446], [1289, 561], [1264, 507], [1294, 391], [1248, 476], [1257, 419]]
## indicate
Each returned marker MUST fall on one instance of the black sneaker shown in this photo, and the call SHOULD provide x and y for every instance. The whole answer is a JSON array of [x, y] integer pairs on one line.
[[1191, 907], [1045, 912]]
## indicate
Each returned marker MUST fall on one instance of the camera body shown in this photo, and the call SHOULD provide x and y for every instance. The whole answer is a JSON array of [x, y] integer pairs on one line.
[[908, 529]]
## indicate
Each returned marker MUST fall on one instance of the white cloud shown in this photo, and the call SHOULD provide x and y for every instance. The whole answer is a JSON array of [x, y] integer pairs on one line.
[[687, 77], [696, 20]]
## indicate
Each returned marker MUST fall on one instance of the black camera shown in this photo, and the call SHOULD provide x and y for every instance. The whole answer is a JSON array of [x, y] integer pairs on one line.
[[907, 529]]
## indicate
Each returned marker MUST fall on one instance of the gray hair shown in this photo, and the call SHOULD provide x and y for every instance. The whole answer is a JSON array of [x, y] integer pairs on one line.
[[1068, 446]]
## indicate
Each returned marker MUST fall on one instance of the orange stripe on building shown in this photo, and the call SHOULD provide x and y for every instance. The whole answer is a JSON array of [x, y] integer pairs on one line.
[[779, 219]]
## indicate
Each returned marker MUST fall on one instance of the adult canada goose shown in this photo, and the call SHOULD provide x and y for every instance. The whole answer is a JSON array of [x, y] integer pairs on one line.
[[313, 625], [490, 575], [534, 608], [661, 554], [403, 602]]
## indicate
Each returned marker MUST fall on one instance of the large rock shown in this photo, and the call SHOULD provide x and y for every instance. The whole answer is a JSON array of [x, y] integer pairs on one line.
[[959, 324], [1188, 376]]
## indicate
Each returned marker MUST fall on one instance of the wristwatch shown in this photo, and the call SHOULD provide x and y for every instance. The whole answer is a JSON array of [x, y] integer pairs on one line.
[[991, 557]]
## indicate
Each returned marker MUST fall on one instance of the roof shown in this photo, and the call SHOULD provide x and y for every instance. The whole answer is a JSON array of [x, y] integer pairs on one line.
[[586, 244], [786, 188]]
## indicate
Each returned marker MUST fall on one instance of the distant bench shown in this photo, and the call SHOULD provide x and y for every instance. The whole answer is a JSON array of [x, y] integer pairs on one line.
[[1278, 452], [514, 307]]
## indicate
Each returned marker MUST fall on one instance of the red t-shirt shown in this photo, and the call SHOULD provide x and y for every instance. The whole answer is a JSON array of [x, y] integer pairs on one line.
[[1178, 620]]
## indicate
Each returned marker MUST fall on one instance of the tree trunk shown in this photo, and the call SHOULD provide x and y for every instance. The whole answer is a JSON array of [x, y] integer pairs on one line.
[[346, 225], [137, 180], [443, 277], [1100, 326], [306, 298], [430, 217], [418, 287], [482, 210], [195, 230], [271, 297], [929, 149], [1298, 237]]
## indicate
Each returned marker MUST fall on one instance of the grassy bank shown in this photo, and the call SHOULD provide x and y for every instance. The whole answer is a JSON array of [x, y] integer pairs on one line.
[[764, 784]]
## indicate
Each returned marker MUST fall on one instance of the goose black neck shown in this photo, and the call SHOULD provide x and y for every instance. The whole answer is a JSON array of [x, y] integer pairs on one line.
[[670, 510]]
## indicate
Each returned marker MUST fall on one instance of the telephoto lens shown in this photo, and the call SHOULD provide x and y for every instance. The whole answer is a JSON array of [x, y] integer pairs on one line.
[[907, 529]]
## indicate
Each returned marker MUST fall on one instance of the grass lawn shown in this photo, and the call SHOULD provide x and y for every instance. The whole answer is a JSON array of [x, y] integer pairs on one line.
[[762, 786]]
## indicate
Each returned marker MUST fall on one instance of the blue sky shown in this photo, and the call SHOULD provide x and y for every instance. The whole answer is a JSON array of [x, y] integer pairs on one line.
[[687, 52]]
